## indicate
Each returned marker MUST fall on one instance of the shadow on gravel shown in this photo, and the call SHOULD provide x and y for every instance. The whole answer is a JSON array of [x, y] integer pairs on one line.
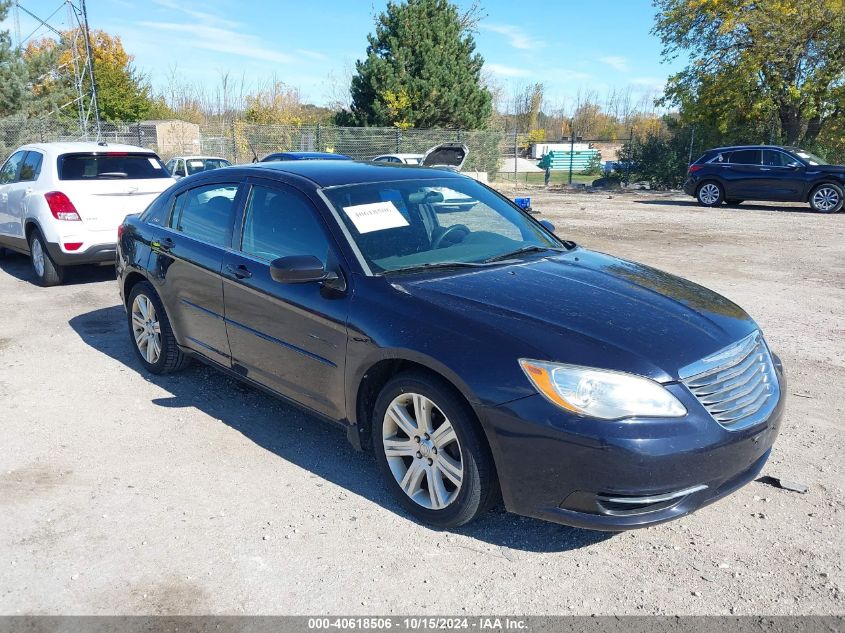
[[18, 266], [735, 207], [307, 441]]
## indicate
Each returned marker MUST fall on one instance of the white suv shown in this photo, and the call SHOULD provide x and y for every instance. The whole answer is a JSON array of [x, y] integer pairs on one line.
[[61, 203]]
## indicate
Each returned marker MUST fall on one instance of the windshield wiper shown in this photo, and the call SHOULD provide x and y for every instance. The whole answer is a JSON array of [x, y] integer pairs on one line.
[[112, 174], [525, 249], [436, 265]]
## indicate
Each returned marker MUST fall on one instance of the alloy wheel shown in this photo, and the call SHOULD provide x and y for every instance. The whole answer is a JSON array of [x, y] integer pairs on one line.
[[146, 329], [38, 257], [825, 199], [709, 194], [423, 451]]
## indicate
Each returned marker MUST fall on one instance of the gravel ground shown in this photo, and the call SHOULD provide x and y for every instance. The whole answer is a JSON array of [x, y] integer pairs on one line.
[[123, 493]]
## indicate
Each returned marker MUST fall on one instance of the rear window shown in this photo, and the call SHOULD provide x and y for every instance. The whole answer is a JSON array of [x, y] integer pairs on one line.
[[111, 166]]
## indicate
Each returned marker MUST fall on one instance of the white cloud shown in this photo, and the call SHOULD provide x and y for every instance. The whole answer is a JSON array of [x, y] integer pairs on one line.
[[515, 35], [222, 40], [649, 83], [507, 71], [203, 16], [615, 61]]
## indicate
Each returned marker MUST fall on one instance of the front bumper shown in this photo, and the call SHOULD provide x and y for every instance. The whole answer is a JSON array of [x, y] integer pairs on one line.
[[620, 475]]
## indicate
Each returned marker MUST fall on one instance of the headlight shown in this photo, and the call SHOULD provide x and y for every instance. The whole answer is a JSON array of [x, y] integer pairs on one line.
[[600, 393]]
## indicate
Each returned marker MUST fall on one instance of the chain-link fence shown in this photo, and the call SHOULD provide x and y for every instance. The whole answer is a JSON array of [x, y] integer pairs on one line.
[[498, 155]]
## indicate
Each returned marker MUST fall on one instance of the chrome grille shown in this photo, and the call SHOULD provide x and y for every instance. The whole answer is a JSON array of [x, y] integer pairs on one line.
[[737, 385]]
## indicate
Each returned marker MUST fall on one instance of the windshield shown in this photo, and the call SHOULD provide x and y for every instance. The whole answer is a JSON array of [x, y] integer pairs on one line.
[[812, 159], [196, 165], [114, 165], [410, 224]]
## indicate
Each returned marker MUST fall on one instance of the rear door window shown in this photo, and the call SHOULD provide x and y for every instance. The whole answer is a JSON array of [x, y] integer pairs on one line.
[[31, 167], [746, 157], [9, 173], [206, 213], [111, 166]]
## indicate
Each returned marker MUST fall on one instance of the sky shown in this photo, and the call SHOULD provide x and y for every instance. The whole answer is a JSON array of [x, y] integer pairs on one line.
[[568, 45]]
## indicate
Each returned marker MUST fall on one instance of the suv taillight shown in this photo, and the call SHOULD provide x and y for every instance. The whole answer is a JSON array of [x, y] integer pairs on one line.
[[60, 206], [120, 229], [694, 168]]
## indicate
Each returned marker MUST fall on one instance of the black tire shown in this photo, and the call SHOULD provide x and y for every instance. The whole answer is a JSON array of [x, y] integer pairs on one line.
[[710, 194], [734, 203], [821, 196], [479, 487], [171, 358], [47, 272]]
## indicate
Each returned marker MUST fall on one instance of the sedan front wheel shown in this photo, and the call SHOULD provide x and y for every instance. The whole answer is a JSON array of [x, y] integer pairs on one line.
[[432, 452]]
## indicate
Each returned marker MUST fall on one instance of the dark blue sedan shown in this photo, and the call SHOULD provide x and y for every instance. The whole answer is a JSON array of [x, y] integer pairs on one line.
[[304, 156], [473, 351]]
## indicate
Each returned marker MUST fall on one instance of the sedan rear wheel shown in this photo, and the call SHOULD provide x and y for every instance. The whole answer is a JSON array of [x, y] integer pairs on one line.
[[431, 451], [710, 194], [152, 335], [827, 198]]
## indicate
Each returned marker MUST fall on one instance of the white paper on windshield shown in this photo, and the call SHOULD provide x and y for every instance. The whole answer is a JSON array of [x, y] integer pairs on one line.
[[375, 216], [195, 163], [154, 163]]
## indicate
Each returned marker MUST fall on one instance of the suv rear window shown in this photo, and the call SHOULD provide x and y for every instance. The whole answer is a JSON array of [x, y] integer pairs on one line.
[[111, 166]]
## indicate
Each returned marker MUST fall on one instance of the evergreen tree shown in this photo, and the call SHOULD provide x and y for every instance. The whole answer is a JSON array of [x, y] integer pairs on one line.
[[12, 88], [421, 70]]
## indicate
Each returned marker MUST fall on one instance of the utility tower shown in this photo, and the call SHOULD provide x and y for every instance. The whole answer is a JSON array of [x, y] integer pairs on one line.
[[76, 38]]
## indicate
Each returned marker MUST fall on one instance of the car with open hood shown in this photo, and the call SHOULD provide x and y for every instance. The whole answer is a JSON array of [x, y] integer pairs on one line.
[[476, 353]]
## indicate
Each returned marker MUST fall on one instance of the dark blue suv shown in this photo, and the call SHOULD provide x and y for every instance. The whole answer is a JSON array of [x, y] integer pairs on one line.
[[765, 172]]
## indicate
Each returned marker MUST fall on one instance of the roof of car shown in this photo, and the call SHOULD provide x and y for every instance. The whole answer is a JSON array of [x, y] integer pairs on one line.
[[736, 147], [308, 156], [329, 173], [201, 157], [73, 147]]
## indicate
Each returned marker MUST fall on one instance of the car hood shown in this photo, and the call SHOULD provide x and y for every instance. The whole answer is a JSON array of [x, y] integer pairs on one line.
[[828, 169], [592, 309]]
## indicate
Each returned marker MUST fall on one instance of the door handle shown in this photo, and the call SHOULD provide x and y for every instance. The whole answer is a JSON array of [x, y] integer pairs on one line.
[[239, 272], [765, 169]]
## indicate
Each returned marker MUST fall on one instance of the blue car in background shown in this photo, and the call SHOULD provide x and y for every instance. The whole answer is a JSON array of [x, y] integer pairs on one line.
[[303, 156]]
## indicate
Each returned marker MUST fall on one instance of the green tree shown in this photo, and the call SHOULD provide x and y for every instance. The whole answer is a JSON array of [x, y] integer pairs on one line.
[[421, 70], [12, 72], [123, 93], [776, 66]]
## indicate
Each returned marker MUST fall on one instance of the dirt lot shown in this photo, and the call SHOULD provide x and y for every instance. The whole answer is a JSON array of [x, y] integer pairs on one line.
[[126, 493]]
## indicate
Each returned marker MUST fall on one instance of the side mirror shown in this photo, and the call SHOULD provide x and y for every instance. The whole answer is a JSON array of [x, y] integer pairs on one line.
[[299, 269], [795, 165], [548, 226]]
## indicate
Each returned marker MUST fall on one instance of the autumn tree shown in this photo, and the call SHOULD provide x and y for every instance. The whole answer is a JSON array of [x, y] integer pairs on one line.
[[778, 64], [421, 70], [123, 93]]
